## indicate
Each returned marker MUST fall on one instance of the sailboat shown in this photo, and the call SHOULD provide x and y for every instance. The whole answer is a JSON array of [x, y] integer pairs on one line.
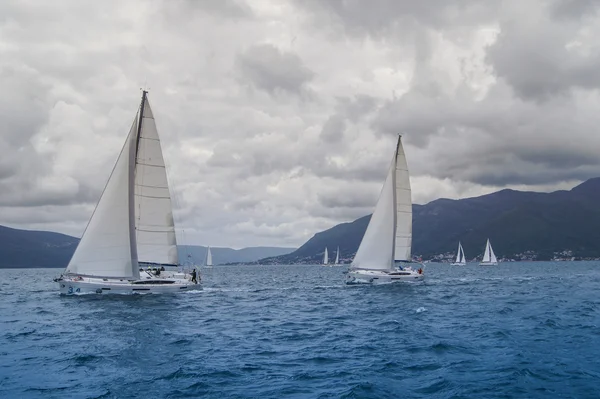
[[129, 245], [388, 237], [326, 257], [337, 257], [208, 261], [460, 257], [489, 258]]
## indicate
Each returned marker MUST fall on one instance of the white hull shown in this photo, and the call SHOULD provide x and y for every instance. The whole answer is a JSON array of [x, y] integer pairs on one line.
[[358, 276], [73, 285], [458, 264], [488, 263]]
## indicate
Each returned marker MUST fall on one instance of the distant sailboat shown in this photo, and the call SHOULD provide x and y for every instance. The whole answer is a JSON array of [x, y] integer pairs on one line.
[[489, 258], [337, 257], [388, 236], [208, 262], [460, 256], [326, 257], [129, 245]]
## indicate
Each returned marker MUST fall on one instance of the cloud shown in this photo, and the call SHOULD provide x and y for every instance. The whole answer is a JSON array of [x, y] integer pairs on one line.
[[540, 58], [272, 70], [279, 120]]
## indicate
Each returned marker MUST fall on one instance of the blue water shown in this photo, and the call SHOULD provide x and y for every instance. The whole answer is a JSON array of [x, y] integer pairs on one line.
[[520, 330]]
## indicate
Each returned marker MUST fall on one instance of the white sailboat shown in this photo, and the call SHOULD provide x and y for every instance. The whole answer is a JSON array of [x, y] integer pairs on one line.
[[129, 245], [208, 261], [337, 257], [489, 257], [388, 237], [326, 257], [460, 256]]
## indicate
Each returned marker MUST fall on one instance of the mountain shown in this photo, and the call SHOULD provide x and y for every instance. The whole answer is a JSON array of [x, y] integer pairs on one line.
[[515, 222], [29, 248], [25, 248], [197, 254]]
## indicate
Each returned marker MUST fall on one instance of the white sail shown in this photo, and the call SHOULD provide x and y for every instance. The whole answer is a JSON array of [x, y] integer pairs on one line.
[[486, 254], [326, 257], [208, 261], [337, 256], [107, 247], [376, 250], [492, 254], [156, 242], [458, 255], [403, 238], [463, 259]]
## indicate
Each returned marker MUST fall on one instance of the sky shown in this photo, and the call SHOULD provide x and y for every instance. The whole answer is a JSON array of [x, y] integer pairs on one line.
[[278, 118]]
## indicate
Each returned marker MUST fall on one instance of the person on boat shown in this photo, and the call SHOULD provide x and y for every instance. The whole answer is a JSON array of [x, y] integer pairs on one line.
[[162, 268], [194, 276], [157, 272], [420, 271]]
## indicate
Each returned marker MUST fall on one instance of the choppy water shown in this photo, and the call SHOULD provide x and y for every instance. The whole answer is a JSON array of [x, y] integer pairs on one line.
[[513, 331]]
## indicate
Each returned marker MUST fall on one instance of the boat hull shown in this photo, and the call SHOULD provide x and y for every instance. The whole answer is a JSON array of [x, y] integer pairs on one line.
[[84, 285], [359, 276], [488, 263], [458, 264]]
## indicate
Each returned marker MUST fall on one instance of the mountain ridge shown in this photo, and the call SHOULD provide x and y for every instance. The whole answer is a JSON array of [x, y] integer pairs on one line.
[[34, 248], [515, 221]]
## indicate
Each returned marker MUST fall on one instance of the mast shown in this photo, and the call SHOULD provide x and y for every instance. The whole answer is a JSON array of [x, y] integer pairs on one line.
[[139, 129], [132, 167], [395, 212]]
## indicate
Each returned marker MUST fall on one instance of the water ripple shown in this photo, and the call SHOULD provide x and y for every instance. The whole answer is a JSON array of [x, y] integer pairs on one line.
[[515, 331]]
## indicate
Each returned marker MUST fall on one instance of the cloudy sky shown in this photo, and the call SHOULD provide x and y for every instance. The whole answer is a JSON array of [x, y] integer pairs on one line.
[[278, 118]]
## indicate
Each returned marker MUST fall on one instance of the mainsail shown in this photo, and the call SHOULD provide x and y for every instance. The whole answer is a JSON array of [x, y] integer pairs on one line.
[[492, 254], [402, 249], [326, 257], [337, 256], [156, 242]]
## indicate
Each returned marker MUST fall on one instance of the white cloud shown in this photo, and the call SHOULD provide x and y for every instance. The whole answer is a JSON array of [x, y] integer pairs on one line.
[[278, 119]]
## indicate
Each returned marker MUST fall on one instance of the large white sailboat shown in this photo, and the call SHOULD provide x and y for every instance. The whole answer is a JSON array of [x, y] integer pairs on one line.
[[208, 261], [129, 245], [326, 257], [460, 257], [337, 257], [489, 257], [388, 237]]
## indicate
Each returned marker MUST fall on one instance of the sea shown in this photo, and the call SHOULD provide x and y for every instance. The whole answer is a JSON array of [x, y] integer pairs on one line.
[[516, 330]]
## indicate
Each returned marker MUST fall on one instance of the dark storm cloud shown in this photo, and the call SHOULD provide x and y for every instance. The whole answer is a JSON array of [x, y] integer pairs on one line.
[[499, 140], [347, 198], [574, 8], [222, 8], [348, 110], [379, 17], [272, 70], [540, 59], [333, 129]]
